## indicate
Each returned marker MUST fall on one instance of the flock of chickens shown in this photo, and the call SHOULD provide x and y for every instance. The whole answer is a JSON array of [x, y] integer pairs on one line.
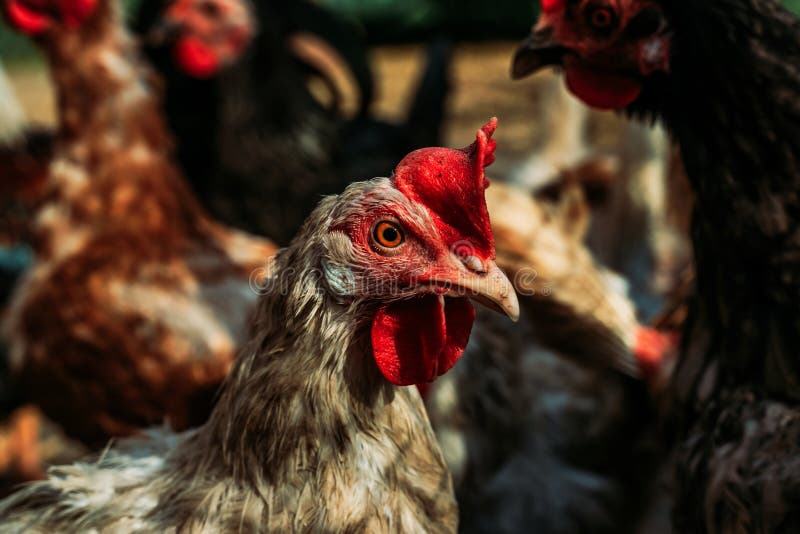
[[212, 285]]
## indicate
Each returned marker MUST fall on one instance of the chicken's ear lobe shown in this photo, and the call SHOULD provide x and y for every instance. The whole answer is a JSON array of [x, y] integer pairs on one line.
[[573, 212]]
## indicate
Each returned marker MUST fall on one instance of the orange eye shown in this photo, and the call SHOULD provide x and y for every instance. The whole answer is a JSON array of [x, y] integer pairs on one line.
[[388, 234]]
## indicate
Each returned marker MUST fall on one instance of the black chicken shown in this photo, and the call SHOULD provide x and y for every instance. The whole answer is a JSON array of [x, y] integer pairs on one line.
[[723, 76], [256, 145]]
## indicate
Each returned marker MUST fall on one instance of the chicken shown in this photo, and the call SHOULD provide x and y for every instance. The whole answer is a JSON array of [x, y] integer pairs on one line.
[[631, 231], [547, 424], [263, 150], [722, 76], [312, 431], [137, 302]]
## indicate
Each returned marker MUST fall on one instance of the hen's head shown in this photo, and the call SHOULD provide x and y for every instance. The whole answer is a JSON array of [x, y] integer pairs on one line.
[[419, 245], [606, 47], [34, 17], [205, 35]]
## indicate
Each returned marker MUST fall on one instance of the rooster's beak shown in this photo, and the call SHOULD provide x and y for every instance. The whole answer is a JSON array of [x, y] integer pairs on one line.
[[539, 50], [485, 283]]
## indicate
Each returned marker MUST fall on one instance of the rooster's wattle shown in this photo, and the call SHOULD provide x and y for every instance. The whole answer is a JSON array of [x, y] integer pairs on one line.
[[311, 431]]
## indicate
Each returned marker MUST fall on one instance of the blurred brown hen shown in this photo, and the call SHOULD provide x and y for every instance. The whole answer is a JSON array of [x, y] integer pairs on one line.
[[137, 301]]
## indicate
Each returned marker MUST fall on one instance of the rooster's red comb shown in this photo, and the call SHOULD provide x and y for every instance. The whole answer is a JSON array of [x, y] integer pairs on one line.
[[35, 16], [451, 184], [551, 6]]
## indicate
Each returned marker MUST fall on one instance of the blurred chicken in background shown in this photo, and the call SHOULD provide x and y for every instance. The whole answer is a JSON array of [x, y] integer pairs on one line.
[[549, 423], [256, 145], [137, 301], [633, 230]]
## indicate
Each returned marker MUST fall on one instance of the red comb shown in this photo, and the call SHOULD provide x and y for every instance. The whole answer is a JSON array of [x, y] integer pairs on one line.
[[35, 16], [652, 348], [451, 184], [550, 6], [75, 12]]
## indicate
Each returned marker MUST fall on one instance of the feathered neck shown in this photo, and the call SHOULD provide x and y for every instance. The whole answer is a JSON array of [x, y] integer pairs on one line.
[[732, 98], [307, 382], [732, 101]]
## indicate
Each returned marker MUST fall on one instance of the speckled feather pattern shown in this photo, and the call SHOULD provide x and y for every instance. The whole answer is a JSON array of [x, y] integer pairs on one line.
[[307, 434], [137, 302]]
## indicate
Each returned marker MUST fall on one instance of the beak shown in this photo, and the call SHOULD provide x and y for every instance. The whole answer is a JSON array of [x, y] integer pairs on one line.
[[539, 50], [488, 286]]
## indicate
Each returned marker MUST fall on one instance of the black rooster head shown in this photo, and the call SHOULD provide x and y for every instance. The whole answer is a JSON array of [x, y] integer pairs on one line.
[[608, 48], [204, 36]]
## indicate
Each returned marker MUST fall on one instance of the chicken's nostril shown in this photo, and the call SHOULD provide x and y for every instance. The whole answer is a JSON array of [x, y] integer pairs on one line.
[[210, 9], [474, 264]]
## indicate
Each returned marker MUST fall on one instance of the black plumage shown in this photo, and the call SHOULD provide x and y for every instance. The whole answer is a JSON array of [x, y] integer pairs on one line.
[[255, 144], [732, 101], [723, 77]]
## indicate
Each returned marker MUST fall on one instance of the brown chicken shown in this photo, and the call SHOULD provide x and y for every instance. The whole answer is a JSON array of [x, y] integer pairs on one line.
[[312, 432], [632, 230], [137, 302]]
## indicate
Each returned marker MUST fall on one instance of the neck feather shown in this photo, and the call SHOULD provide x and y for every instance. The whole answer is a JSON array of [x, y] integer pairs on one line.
[[732, 101], [307, 382]]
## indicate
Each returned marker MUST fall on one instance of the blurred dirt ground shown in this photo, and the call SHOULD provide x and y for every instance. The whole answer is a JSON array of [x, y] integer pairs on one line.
[[481, 88]]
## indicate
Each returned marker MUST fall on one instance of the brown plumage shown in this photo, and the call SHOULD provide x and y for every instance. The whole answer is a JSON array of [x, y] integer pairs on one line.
[[623, 166], [545, 423], [310, 432], [137, 302]]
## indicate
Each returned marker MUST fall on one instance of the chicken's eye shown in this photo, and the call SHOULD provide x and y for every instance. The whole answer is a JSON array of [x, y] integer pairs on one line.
[[388, 234], [210, 9], [600, 17]]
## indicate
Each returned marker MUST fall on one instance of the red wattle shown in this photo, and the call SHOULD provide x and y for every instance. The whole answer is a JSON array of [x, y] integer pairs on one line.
[[25, 19], [414, 341], [195, 58], [651, 347], [601, 90]]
